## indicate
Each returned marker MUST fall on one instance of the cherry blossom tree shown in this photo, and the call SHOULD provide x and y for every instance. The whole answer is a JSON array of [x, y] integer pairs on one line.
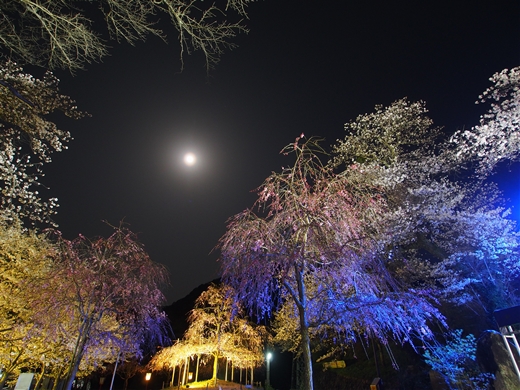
[[217, 328], [103, 296], [216, 321], [449, 227], [24, 256], [317, 245], [27, 140], [497, 137]]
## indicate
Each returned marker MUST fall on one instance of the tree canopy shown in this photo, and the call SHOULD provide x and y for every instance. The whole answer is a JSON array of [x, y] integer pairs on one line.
[[69, 306], [218, 328], [68, 34], [320, 238], [27, 140], [24, 257], [400, 219], [496, 138]]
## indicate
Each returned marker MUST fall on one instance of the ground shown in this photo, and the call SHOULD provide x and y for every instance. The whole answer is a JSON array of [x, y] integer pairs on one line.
[[222, 385]]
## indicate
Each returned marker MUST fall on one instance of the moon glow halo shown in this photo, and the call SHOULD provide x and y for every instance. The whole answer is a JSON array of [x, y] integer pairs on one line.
[[190, 159]]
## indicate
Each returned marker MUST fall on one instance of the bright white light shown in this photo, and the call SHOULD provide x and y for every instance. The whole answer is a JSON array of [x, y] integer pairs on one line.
[[269, 356], [190, 159]]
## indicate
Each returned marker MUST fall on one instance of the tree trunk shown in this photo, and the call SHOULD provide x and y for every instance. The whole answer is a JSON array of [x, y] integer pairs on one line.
[[186, 372], [76, 360], [181, 379], [381, 355], [197, 369], [40, 377], [215, 369], [77, 355], [12, 365], [304, 331]]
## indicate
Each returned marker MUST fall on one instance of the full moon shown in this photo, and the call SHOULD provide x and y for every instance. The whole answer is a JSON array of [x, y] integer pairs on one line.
[[190, 159]]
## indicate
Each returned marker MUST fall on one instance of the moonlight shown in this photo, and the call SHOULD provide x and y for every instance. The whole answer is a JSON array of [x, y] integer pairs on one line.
[[190, 159]]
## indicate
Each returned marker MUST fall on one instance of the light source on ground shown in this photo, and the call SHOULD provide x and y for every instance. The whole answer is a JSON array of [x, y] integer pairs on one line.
[[147, 378], [268, 357]]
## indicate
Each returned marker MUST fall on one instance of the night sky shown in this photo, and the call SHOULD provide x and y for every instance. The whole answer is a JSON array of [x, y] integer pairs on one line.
[[305, 66]]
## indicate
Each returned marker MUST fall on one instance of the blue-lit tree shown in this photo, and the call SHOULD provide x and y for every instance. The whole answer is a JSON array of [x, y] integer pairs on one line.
[[410, 216], [450, 230], [316, 243], [449, 226]]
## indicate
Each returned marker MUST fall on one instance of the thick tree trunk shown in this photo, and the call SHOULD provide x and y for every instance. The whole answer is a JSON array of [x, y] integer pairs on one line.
[[79, 350], [304, 331], [215, 369], [306, 353], [76, 360]]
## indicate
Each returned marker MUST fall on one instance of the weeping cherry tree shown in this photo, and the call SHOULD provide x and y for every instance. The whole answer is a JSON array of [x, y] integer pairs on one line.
[[314, 243]]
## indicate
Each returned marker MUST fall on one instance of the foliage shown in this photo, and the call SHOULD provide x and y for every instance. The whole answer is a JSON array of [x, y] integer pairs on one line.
[[456, 361], [60, 34], [218, 321], [449, 234], [367, 251], [484, 263], [385, 135], [496, 138], [320, 240], [217, 328], [27, 141], [24, 256], [450, 231], [68, 306], [103, 298]]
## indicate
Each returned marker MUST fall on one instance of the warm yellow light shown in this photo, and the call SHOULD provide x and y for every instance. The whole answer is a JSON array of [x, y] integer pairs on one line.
[[148, 376], [190, 376]]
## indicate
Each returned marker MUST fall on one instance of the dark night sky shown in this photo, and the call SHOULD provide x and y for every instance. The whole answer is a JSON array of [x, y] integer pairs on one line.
[[305, 66]]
